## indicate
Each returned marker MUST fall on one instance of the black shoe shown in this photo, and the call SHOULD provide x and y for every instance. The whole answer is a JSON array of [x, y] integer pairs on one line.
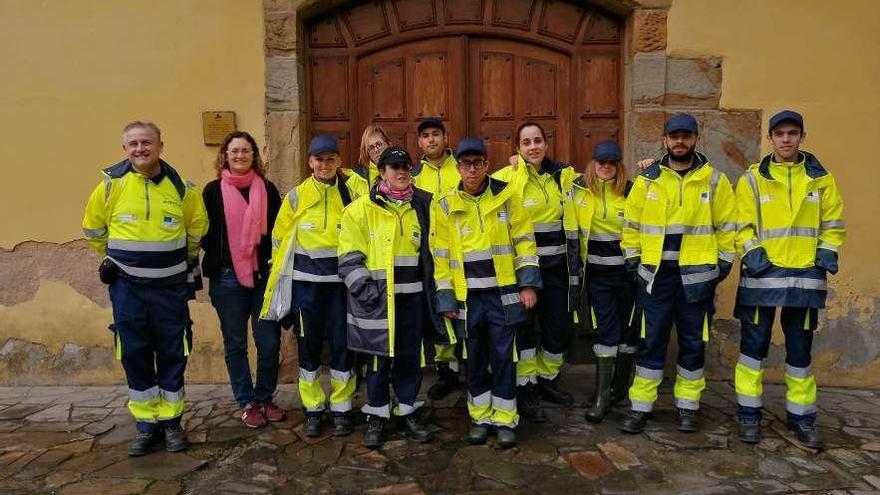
[[342, 426], [506, 437], [143, 443], [416, 430], [688, 421], [312, 426], [633, 422], [604, 372], [478, 434], [447, 382], [808, 435], [175, 439], [528, 405], [373, 438], [749, 430], [547, 390], [624, 369]]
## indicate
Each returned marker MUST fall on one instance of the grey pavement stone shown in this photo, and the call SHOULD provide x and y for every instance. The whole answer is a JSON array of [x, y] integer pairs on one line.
[[20, 411], [56, 413], [156, 466], [105, 487]]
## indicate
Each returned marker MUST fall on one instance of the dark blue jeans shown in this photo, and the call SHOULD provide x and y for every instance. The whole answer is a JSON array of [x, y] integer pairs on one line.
[[235, 304]]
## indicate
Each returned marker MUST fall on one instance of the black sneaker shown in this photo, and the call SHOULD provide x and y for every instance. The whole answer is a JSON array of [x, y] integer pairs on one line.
[[808, 435], [416, 430], [373, 438], [478, 434], [548, 390], [688, 421], [528, 405], [447, 382], [175, 439], [312, 426], [506, 437], [633, 422], [143, 443], [342, 426], [749, 430]]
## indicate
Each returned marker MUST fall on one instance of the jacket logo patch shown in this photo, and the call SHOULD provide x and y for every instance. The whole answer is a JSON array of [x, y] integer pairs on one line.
[[528, 203], [127, 217], [704, 197], [502, 215], [765, 199], [813, 196], [466, 230], [307, 225], [651, 195], [170, 222]]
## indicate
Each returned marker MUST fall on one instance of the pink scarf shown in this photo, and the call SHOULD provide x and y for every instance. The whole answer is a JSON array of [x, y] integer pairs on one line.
[[391, 193], [245, 221]]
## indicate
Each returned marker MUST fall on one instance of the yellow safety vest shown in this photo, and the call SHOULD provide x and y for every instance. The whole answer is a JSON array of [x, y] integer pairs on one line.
[[789, 229], [149, 227], [697, 209]]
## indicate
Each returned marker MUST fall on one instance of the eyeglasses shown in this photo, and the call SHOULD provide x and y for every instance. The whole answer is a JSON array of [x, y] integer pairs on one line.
[[381, 145], [477, 164], [242, 151]]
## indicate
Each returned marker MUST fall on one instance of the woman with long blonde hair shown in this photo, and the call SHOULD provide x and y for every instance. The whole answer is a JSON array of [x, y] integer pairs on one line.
[[374, 140]]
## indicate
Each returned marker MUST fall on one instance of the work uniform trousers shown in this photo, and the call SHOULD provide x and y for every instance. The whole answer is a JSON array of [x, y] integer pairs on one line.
[[153, 340], [613, 311], [491, 372], [403, 372], [322, 311], [235, 305], [798, 325], [556, 324], [664, 306]]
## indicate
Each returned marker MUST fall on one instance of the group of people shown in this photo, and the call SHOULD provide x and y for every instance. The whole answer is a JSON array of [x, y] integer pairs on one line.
[[396, 262]]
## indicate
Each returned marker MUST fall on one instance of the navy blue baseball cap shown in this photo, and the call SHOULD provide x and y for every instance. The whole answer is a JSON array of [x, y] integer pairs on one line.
[[323, 143], [787, 116], [607, 151], [681, 122], [470, 145], [431, 122], [394, 155]]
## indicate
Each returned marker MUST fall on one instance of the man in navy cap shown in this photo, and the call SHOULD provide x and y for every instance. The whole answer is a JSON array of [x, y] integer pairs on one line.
[[486, 263], [790, 226], [678, 242]]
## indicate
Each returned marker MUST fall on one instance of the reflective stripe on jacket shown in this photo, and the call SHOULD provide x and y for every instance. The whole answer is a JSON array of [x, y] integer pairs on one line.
[[484, 242], [149, 227], [695, 212], [789, 228], [305, 239], [547, 195]]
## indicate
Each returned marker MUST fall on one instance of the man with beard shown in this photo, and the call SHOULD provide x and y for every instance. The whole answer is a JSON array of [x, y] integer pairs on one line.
[[678, 242]]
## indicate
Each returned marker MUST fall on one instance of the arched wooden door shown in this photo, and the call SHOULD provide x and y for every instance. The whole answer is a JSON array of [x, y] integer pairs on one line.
[[483, 66]]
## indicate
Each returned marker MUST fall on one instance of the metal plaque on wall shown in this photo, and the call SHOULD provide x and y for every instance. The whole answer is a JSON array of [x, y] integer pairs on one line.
[[216, 125]]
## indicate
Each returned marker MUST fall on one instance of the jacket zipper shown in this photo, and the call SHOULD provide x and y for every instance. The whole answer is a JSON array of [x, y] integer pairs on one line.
[[604, 205], [325, 208], [790, 200], [147, 196]]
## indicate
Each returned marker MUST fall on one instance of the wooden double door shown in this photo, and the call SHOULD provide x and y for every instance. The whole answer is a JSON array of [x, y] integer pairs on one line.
[[481, 66], [478, 87]]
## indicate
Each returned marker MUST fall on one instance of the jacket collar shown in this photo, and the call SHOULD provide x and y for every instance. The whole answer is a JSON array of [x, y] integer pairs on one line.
[[812, 165], [653, 171], [423, 162], [498, 188], [118, 170]]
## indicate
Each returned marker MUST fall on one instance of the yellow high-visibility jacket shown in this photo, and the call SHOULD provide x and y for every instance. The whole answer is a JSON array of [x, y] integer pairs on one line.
[[369, 173], [149, 227], [437, 181], [384, 249], [789, 229], [547, 196], [484, 242], [690, 220], [600, 219], [306, 237]]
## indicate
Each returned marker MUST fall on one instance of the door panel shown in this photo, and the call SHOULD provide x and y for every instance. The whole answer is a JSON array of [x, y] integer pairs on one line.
[[400, 86], [512, 82]]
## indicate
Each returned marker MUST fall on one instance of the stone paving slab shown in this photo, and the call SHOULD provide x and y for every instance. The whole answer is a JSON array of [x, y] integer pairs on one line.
[[73, 440]]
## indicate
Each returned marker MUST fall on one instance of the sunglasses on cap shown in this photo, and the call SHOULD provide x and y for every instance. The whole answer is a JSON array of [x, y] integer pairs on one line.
[[399, 165]]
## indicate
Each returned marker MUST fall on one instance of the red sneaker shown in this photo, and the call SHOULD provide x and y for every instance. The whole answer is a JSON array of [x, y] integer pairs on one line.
[[272, 412], [252, 416]]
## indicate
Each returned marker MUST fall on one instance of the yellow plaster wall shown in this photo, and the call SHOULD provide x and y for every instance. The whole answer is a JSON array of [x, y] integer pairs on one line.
[[819, 58], [75, 72]]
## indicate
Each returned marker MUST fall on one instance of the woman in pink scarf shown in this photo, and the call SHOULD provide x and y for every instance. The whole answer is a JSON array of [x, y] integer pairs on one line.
[[242, 205]]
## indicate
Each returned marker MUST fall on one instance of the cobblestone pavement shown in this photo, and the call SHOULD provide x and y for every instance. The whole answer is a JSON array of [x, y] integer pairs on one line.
[[72, 440]]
